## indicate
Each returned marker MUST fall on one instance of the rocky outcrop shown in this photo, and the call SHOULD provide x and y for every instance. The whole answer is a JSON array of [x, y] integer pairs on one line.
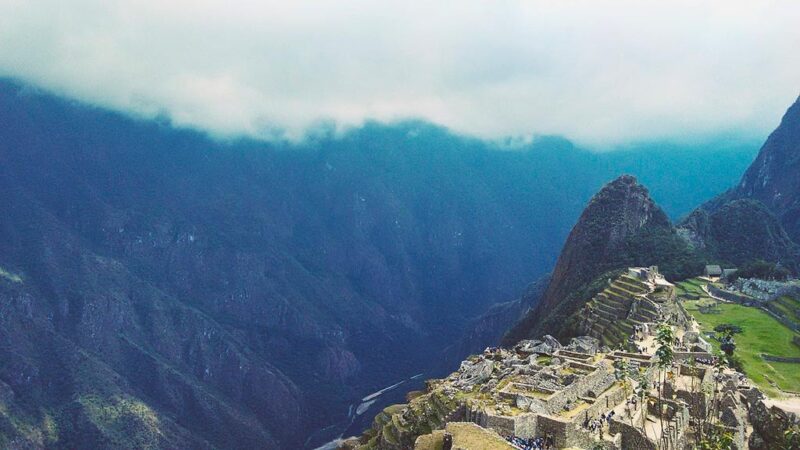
[[770, 424]]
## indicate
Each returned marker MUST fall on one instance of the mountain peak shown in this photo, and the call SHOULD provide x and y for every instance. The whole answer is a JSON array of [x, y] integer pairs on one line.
[[624, 179], [620, 226], [774, 177]]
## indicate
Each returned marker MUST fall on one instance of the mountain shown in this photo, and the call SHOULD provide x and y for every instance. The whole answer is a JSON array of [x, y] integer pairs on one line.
[[740, 232], [758, 219], [163, 289], [774, 177], [620, 227]]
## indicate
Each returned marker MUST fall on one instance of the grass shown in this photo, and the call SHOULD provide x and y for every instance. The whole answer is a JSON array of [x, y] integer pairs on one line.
[[789, 307], [691, 286], [469, 435], [465, 435], [761, 334]]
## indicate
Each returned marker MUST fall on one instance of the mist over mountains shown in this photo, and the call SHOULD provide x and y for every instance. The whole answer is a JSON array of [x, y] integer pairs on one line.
[[160, 288]]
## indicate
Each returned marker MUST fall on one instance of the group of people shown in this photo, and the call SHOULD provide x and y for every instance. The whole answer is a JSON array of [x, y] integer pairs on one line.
[[537, 443], [596, 425]]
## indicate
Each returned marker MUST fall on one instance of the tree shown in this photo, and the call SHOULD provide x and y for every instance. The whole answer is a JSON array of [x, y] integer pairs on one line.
[[725, 328], [791, 437], [727, 344], [716, 440], [665, 337], [623, 372], [642, 388]]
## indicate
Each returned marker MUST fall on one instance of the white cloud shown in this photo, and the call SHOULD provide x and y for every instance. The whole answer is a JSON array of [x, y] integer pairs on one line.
[[602, 72]]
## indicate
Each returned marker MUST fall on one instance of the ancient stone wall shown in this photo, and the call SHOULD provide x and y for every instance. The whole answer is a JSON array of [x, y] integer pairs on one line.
[[686, 356], [631, 436], [732, 296], [596, 382], [784, 359], [559, 430]]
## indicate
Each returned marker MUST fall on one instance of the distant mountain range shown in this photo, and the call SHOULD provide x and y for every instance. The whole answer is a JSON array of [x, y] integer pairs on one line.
[[161, 289]]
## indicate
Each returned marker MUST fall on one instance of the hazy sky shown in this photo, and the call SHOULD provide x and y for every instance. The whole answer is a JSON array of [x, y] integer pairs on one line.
[[599, 72]]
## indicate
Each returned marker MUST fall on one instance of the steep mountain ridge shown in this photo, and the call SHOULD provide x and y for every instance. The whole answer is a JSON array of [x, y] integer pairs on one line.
[[774, 177], [759, 218], [621, 226]]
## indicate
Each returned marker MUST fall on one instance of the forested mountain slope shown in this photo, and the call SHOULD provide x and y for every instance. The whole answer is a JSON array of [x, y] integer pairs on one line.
[[162, 288]]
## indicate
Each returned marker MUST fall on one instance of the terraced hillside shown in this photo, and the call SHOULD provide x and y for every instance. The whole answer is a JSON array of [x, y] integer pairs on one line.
[[613, 313], [786, 307], [398, 426]]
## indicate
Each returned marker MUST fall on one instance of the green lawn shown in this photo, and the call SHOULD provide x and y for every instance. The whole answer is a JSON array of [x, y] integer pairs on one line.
[[692, 286], [761, 334]]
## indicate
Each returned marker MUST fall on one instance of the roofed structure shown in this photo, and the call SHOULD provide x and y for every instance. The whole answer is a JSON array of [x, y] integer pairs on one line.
[[713, 271]]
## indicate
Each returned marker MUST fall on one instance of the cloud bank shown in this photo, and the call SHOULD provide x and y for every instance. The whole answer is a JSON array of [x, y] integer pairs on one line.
[[600, 72]]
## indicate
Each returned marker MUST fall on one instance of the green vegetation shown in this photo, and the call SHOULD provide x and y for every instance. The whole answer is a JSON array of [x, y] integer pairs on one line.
[[126, 421], [789, 307], [691, 286], [743, 232], [728, 328], [763, 270], [761, 333], [12, 277], [663, 247]]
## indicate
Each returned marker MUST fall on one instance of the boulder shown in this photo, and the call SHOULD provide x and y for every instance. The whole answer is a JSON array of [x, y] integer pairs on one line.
[[552, 342], [475, 373], [584, 344]]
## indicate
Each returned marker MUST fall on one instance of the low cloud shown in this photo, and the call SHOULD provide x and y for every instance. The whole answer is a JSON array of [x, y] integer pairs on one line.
[[600, 72]]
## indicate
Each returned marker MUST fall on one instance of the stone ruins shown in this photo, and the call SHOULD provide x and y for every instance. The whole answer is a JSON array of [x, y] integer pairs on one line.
[[586, 394]]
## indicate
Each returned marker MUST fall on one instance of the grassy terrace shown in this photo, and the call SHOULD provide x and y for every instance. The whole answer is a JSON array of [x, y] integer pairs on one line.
[[761, 334], [691, 286], [790, 307]]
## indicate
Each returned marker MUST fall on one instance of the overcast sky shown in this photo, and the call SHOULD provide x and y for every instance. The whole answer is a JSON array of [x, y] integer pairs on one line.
[[599, 72]]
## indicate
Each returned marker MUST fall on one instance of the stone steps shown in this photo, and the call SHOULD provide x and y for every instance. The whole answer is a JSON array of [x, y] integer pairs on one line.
[[634, 281], [615, 297], [609, 309], [605, 314], [650, 305], [621, 292], [644, 316], [632, 287]]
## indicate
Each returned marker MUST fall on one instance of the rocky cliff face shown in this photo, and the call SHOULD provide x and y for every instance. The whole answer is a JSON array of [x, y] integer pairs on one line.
[[759, 219], [621, 226], [774, 177]]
